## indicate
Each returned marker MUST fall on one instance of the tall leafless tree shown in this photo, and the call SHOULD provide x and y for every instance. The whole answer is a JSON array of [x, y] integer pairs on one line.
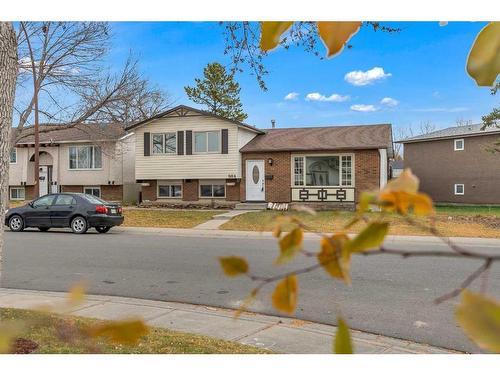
[[64, 79], [8, 74]]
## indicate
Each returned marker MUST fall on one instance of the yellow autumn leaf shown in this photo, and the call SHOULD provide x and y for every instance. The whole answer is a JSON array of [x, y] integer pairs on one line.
[[77, 293], [402, 202], [285, 295], [290, 245], [371, 237], [334, 258], [271, 32], [233, 266], [421, 204], [365, 199], [483, 63], [336, 34], [406, 182], [126, 332], [479, 317], [246, 302], [343, 342], [277, 231]]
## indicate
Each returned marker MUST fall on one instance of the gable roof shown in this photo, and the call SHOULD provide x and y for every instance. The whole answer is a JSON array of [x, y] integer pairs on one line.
[[452, 132], [183, 110], [326, 138], [56, 133]]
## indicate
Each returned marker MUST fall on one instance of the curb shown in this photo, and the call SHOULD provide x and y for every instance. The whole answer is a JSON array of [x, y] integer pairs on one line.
[[281, 335]]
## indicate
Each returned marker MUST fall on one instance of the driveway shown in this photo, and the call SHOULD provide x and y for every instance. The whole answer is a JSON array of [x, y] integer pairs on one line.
[[389, 295]]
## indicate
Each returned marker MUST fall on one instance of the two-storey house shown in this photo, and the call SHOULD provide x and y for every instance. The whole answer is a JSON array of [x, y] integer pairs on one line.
[[456, 165], [89, 158]]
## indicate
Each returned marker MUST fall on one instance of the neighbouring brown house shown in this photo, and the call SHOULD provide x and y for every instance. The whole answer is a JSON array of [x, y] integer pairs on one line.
[[188, 156], [96, 159], [455, 165]]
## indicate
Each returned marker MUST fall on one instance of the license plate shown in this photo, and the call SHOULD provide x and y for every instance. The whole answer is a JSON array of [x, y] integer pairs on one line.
[[113, 210]]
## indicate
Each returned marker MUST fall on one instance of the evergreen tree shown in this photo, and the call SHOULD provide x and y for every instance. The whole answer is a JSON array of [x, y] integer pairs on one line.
[[219, 92]]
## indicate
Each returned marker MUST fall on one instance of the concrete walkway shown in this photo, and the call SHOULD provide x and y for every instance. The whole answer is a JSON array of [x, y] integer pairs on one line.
[[220, 219], [281, 335]]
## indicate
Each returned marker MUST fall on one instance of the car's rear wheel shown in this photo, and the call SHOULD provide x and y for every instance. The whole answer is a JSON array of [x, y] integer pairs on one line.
[[102, 229], [79, 225], [43, 229], [16, 223]]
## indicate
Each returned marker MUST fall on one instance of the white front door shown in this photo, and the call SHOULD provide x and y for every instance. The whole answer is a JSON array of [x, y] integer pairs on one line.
[[44, 180], [255, 189]]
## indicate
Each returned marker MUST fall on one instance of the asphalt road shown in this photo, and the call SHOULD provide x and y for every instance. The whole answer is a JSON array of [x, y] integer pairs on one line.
[[389, 295]]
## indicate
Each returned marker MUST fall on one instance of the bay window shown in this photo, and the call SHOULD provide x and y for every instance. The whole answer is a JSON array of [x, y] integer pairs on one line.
[[331, 170], [164, 143], [85, 157]]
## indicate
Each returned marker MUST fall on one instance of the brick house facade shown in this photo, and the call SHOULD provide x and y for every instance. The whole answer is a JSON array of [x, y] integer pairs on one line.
[[176, 163]]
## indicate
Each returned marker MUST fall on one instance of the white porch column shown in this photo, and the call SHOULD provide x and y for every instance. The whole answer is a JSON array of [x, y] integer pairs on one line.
[[383, 166]]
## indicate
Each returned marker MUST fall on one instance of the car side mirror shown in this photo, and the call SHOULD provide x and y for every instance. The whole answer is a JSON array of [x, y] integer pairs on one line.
[[30, 204]]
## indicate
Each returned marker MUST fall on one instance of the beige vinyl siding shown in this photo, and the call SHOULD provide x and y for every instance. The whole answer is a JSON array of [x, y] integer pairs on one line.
[[17, 171], [196, 166]]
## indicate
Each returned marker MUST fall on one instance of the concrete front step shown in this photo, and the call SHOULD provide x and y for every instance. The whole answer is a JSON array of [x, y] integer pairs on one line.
[[251, 206]]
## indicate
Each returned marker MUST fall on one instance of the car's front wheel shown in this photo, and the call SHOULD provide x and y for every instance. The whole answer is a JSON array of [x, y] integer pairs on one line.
[[43, 229], [79, 225], [16, 223], [102, 229]]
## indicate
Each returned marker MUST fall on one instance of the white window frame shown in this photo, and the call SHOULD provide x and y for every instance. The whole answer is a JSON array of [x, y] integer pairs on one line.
[[463, 189], [455, 141], [169, 184], [219, 133], [164, 142], [304, 156], [93, 158], [14, 150], [93, 188], [212, 183], [20, 188]]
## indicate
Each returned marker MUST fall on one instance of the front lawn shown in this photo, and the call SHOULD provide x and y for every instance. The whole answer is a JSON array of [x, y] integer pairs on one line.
[[158, 341], [451, 221], [158, 218]]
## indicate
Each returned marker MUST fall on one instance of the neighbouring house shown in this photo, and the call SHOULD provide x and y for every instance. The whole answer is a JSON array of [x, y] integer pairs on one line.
[[96, 159], [192, 156], [396, 167], [455, 165]]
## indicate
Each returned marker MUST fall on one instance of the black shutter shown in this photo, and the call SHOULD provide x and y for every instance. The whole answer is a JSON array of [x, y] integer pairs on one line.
[[147, 144], [180, 142], [189, 142], [224, 141]]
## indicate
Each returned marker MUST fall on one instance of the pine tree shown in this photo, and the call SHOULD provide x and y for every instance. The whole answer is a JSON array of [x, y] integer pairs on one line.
[[219, 92]]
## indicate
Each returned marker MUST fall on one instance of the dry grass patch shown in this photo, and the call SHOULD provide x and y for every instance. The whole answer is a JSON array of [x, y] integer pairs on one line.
[[158, 340], [453, 223], [142, 217]]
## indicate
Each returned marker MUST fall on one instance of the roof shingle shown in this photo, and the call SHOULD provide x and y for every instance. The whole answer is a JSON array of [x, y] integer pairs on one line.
[[323, 139], [454, 131]]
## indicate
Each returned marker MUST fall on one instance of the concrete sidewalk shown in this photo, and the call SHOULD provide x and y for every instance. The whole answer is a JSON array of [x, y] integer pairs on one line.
[[281, 335]]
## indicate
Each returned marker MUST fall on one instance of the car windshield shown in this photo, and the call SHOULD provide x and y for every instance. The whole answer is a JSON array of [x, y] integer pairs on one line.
[[93, 199]]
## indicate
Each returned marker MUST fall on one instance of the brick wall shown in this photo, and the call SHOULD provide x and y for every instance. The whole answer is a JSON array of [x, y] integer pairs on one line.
[[71, 188], [149, 192], [190, 190], [366, 173], [278, 188], [112, 192], [233, 192]]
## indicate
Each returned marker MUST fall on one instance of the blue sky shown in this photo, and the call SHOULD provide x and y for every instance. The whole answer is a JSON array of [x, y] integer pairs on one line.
[[423, 71]]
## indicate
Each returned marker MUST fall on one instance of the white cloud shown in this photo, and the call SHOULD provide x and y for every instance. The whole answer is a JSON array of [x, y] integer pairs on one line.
[[317, 97], [391, 102], [363, 108], [292, 96], [360, 78]]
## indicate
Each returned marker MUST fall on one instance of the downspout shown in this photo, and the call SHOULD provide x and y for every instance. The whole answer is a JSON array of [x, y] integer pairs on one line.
[[383, 166]]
